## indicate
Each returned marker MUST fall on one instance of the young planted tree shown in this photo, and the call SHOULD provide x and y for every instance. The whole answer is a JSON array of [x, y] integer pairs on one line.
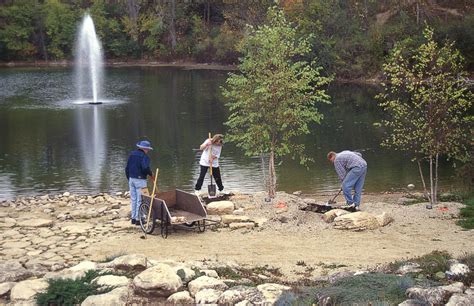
[[427, 102], [273, 98]]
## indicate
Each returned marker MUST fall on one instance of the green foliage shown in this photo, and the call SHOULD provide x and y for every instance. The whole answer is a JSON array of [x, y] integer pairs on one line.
[[431, 263], [427, 102], [467, 213], [273, 98], [369, 288], [347, 38], [17, 29], [70, 292]]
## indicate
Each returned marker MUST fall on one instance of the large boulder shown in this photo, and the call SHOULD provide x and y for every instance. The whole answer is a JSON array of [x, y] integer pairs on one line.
[[207, 296], [13, 271], [118, 296], [357, 221], [432, 296], [205, 282], [6, 287], [75, 272], [130, 262], [220, 208], [180, 298], [276, 294], [112, 281], [231, 296], [182, 270], [160, 280], [459, 299], [26, 290]]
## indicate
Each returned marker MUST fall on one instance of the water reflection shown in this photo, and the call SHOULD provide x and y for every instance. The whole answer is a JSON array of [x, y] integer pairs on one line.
[[48, 145], [91, 131]]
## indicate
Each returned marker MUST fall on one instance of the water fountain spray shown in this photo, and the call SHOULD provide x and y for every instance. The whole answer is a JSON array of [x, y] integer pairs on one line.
[[89, 62]]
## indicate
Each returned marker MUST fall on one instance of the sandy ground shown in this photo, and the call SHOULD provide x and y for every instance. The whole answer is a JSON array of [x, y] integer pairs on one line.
[[296, 236]]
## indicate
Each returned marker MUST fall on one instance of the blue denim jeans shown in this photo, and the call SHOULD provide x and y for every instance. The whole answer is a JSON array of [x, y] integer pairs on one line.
[[135, 194], [354, 180]]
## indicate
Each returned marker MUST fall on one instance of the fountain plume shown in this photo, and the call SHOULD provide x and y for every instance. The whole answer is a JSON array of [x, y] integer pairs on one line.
[[88, 62]]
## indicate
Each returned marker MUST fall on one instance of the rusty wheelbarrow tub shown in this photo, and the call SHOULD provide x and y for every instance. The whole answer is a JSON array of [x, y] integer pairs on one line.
[[175, 207]]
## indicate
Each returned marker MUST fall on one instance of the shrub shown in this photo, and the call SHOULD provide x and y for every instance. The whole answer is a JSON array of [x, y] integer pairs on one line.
[[71, 292]]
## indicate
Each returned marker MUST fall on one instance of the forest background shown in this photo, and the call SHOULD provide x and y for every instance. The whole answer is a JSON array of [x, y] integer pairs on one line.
[[349, 38]]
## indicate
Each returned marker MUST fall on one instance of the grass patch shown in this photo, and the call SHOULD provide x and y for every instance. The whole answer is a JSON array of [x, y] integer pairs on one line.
[[370, 288], [229, 273], [467, 213], [71, 292], [251, 274], [429, 264]]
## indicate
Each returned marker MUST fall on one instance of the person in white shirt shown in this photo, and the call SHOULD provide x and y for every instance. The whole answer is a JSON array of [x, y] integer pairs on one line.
[[207, 158]]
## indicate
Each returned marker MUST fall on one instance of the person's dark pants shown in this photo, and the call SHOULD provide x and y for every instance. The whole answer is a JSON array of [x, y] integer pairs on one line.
[[216, 173]]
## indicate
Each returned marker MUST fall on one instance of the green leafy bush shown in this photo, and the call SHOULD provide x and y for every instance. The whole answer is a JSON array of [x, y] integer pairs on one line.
[[71, 292]]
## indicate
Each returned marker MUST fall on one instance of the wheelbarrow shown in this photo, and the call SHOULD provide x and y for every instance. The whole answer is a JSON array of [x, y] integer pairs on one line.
[[172, 208]]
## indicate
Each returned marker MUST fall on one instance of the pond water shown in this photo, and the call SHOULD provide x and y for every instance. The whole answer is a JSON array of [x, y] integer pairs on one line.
[[50, 144]]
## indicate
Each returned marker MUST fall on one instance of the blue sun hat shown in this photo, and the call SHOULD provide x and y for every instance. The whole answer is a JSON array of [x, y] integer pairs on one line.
[[144, 144]]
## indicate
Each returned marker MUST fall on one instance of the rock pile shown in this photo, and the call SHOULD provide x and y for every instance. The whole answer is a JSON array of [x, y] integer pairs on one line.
[[149, 281]]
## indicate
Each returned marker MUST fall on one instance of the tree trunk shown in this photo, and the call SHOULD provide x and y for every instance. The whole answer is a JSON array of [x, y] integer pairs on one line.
[[425, 192], [436, 180], [431, 183], [172, 8], [271, 175]]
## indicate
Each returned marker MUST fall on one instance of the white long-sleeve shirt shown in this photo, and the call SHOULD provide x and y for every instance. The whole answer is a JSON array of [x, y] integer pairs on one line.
[[216, 152]]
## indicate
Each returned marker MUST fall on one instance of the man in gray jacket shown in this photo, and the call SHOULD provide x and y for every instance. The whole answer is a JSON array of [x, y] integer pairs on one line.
[[351, 169]]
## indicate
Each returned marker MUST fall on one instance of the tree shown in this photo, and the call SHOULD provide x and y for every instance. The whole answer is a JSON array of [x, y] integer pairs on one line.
[[17, 29], [273, 98], [60, 22], [427, 102]]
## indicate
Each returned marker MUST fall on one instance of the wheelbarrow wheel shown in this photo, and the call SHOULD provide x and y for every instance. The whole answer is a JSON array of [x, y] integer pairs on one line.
[[147, 225]]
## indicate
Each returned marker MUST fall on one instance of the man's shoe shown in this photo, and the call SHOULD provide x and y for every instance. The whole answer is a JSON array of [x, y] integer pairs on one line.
[[357, 208], [134, 221], [348, 206]]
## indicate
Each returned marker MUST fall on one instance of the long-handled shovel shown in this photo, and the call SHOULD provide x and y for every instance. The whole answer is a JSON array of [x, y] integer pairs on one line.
[[155, 189], [211, 189], [332, 201]]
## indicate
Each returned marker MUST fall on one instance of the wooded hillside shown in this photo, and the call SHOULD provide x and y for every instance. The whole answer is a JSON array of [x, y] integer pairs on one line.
[[349, 37]]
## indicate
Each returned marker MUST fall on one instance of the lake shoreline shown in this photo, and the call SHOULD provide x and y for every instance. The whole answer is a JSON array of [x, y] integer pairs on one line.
[[186, 65]]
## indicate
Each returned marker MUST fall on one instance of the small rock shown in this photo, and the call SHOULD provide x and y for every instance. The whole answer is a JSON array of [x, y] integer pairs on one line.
[[440, 275], [458, 269], [410, 186], [329, 216], [409, 267], [241, 225]]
